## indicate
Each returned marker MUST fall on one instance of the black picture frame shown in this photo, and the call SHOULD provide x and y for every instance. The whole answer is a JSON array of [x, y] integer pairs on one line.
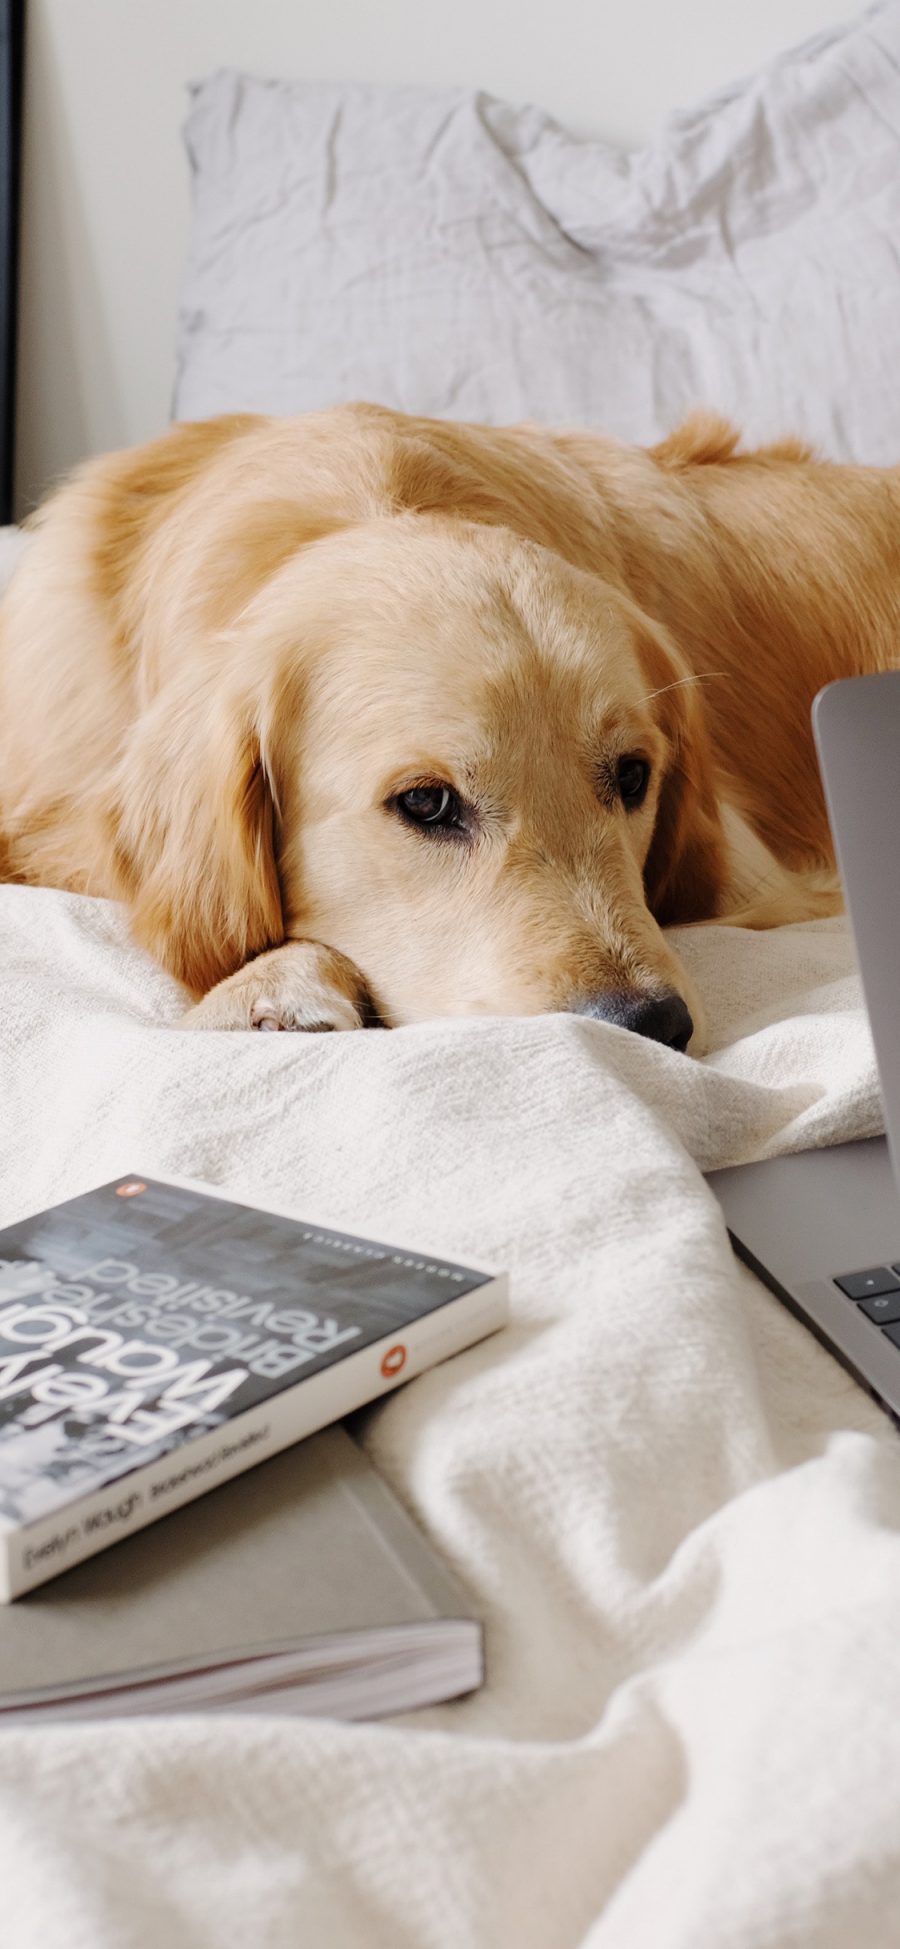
[[12, 55]]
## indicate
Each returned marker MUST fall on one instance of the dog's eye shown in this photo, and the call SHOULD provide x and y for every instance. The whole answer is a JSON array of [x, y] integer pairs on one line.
[[434, 807], [632, 779]]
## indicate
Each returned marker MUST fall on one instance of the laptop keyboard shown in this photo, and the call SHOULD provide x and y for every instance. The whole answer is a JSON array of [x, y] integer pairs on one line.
[[876, 1292]]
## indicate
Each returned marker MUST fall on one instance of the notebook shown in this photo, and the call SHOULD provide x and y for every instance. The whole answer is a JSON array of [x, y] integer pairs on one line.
[[303, 1587]]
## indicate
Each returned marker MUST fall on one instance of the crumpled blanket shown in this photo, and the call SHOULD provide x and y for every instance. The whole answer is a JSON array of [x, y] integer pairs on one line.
[[678, 1516]]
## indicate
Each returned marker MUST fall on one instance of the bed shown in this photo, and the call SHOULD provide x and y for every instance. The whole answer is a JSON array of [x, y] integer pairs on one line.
[[678, 1516]]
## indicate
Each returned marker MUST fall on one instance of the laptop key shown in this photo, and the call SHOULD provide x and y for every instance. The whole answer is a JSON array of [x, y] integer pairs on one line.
[[884, 1308], [864, 1285]]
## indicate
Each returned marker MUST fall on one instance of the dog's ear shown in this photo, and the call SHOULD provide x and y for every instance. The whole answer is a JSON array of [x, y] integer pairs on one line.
[[191, 834], [685, 869]]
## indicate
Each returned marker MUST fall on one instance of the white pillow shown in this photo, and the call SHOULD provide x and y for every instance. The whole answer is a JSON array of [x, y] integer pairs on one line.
[[446, 253]]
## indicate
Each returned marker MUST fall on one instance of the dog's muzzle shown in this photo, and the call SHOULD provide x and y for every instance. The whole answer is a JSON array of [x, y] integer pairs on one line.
[[663, 1018]]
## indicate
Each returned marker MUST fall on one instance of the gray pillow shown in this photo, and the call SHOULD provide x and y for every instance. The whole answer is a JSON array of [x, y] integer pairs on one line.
[[446, 253]]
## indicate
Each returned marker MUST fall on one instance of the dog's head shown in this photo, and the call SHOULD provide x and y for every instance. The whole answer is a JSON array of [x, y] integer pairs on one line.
[[479, 772]]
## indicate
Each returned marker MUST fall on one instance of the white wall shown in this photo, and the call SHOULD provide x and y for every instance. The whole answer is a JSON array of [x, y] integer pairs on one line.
[[104, 215]]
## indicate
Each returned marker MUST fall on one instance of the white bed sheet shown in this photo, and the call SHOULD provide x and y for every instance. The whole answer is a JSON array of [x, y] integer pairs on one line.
[[679, 1517]]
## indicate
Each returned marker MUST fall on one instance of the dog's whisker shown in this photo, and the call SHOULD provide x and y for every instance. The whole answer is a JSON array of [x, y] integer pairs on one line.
[[702, 676]]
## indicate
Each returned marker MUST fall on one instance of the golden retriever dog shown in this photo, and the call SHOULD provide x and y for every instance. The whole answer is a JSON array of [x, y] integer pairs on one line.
[[370, 718]]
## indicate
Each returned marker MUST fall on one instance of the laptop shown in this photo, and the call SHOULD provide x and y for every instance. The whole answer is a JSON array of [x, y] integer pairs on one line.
[[822, 1228]]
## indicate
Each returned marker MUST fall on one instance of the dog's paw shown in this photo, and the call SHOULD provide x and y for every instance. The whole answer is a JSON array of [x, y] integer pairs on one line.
[[301, 987]]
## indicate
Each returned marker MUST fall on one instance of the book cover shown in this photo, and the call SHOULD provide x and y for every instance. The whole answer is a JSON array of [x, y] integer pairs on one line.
[[156, 1337], [302, 1586]]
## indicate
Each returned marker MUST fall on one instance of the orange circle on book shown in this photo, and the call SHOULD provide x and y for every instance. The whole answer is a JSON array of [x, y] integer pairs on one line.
[[129, 1190], [393, 1360]]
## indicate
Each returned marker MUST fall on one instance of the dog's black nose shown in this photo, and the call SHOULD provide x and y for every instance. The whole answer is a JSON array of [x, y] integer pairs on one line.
[[664, 1018]]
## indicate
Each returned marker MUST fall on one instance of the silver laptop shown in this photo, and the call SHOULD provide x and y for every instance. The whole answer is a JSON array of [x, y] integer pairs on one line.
[[823, 1228]]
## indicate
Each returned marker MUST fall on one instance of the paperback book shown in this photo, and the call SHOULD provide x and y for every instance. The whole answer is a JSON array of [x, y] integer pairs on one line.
[[157, 1338]]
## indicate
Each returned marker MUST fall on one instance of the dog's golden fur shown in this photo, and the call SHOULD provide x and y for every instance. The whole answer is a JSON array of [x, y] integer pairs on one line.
[[227, 654]]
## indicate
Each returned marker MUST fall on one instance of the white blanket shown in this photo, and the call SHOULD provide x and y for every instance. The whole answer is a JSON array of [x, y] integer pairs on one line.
[[677, 1514]]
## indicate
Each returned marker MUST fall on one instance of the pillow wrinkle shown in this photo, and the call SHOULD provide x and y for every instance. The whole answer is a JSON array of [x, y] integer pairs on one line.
[[447, 253]]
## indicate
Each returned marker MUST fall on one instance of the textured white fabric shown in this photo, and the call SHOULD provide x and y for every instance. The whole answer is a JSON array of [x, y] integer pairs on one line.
[[678, 1515], [447, 253]]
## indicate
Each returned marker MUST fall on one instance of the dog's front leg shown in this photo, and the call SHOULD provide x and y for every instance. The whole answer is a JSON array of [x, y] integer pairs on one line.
[[300, 986]]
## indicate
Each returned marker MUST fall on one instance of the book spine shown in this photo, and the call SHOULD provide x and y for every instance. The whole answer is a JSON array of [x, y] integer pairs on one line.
[[32, 1554]]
